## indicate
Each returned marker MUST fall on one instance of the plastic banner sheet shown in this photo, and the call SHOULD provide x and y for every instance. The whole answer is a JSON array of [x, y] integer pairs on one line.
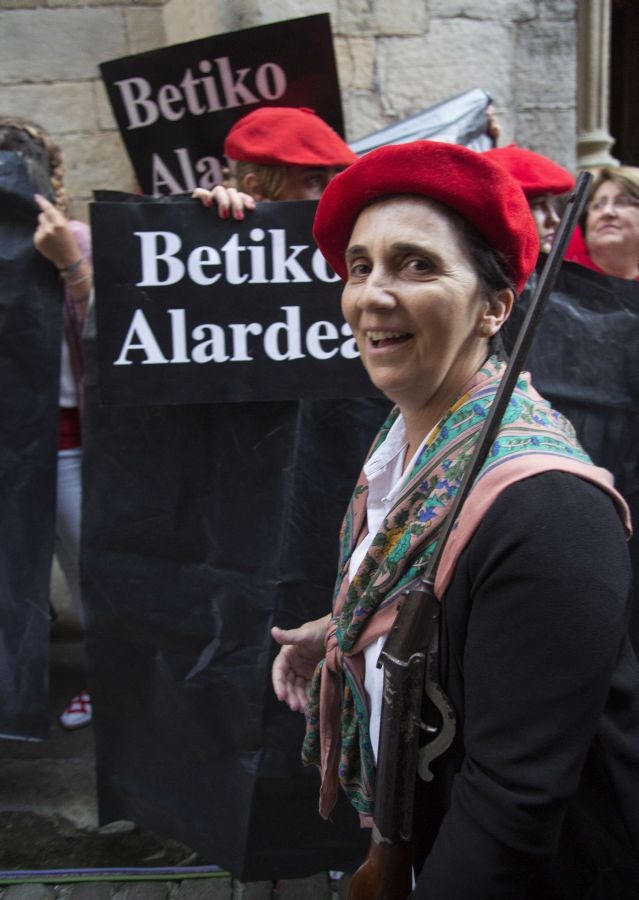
[[204, 525], [30, 339], [585, 360], [460, 120]]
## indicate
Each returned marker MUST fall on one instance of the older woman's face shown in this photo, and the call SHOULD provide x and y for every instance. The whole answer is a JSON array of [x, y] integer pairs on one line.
[[414, 302], [613, 220]]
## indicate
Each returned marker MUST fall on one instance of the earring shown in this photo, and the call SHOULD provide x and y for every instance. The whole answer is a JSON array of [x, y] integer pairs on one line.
[[485, 329]]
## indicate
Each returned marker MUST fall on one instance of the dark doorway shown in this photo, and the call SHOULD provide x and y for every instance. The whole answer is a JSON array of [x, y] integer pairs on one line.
[[624, 81]]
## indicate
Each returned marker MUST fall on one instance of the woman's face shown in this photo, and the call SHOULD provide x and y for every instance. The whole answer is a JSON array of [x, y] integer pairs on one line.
[[611, 226], [415, 304], [305, 182], [546, 219]]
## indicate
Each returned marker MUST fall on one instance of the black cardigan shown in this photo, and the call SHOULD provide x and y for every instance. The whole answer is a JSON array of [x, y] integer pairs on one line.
[[540, 792]]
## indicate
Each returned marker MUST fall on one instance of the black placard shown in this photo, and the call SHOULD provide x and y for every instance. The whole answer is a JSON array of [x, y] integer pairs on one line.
[[30, 340], [585, 360], [175, 105], [194, 309]]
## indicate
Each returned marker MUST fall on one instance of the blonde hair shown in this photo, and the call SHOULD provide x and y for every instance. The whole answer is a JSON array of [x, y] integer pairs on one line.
[[19, 134], [271, 179], [626, 177]]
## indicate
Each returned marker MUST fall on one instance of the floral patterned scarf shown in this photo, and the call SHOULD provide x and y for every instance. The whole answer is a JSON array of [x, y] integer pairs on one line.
[[532, 438]]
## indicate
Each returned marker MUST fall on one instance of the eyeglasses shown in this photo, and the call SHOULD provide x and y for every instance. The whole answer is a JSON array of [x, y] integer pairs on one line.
[[623, 201]]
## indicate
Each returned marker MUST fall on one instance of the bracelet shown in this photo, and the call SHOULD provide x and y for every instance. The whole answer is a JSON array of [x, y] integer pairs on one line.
[[80, 280], [67, 271]]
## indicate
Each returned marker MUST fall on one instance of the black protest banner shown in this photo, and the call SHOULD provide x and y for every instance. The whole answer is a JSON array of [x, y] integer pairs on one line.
[[193, 309], [203, 526], [175, 105], [30, 340], [585, 361]]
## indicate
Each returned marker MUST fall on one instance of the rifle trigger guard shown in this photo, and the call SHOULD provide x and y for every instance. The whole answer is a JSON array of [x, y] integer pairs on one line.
[[446, 732]]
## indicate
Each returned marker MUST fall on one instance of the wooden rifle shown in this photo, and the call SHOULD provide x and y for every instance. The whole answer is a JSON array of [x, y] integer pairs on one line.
[[410, 655]]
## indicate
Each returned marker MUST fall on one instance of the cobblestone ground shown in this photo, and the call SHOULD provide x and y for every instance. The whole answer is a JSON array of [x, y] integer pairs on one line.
[[317, 887]]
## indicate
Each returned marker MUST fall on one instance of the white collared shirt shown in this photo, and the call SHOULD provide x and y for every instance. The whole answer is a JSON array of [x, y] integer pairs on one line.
[[386, 477]]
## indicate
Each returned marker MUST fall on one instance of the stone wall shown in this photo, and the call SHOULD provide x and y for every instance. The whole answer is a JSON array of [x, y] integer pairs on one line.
[[394, 59]]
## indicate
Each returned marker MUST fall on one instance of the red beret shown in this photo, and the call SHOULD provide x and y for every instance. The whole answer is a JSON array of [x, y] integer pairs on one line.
[[284, 135], [535, 173], [478, 189]]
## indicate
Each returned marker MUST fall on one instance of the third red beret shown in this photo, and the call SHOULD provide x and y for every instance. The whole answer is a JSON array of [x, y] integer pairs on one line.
[[535, 173]]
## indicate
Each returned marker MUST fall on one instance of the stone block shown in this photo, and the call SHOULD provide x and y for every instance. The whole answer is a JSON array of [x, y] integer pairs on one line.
[[316, 887], [355, 62], [80, 4], [143, 890], [558, 9], [546, 71], [29, 892], [251, 890], [415, 73], [279, 10], [362, 114], [60, 108], [144, 29], [498, 10], [550, 132], [205, 889], [102, 107], [19, 4], [97, 162], [91, 891], [188, 20], [379, 18], [60, 45]]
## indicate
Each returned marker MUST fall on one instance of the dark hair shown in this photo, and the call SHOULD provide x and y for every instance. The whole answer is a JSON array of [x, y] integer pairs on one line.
[[490, 264], [490, 267]]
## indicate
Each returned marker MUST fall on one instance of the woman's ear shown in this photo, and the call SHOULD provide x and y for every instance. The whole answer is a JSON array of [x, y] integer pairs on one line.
[[496, 311], [251, 185]]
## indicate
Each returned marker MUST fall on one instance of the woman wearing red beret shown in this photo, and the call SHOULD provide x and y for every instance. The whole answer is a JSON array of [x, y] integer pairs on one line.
[[278, 153], [538, 795], [542, 181]]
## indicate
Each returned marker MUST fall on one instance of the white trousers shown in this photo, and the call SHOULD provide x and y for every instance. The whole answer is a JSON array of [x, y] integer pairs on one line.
[[68, 523]]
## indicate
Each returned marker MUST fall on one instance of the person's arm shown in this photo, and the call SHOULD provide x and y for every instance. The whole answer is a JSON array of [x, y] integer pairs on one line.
[[293, 667], [547, 575], [55, 239]]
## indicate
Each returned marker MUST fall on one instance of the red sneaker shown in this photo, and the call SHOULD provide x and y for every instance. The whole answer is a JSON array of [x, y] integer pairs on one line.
[[78, 713]]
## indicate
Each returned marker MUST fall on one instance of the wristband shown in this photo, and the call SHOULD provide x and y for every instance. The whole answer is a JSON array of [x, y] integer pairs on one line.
[[67, 271], [79, 280]]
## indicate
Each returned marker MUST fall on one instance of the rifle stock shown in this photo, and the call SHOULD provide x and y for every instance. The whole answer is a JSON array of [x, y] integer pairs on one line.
[[409, 652], [385, 874]]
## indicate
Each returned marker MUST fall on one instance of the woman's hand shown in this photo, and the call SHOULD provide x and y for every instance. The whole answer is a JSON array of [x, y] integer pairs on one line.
[[293, 667], [228, 200], [56, 241], [53, 237]]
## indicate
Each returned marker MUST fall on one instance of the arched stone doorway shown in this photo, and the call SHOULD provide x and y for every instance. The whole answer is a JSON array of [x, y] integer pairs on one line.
[[624, 80]]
